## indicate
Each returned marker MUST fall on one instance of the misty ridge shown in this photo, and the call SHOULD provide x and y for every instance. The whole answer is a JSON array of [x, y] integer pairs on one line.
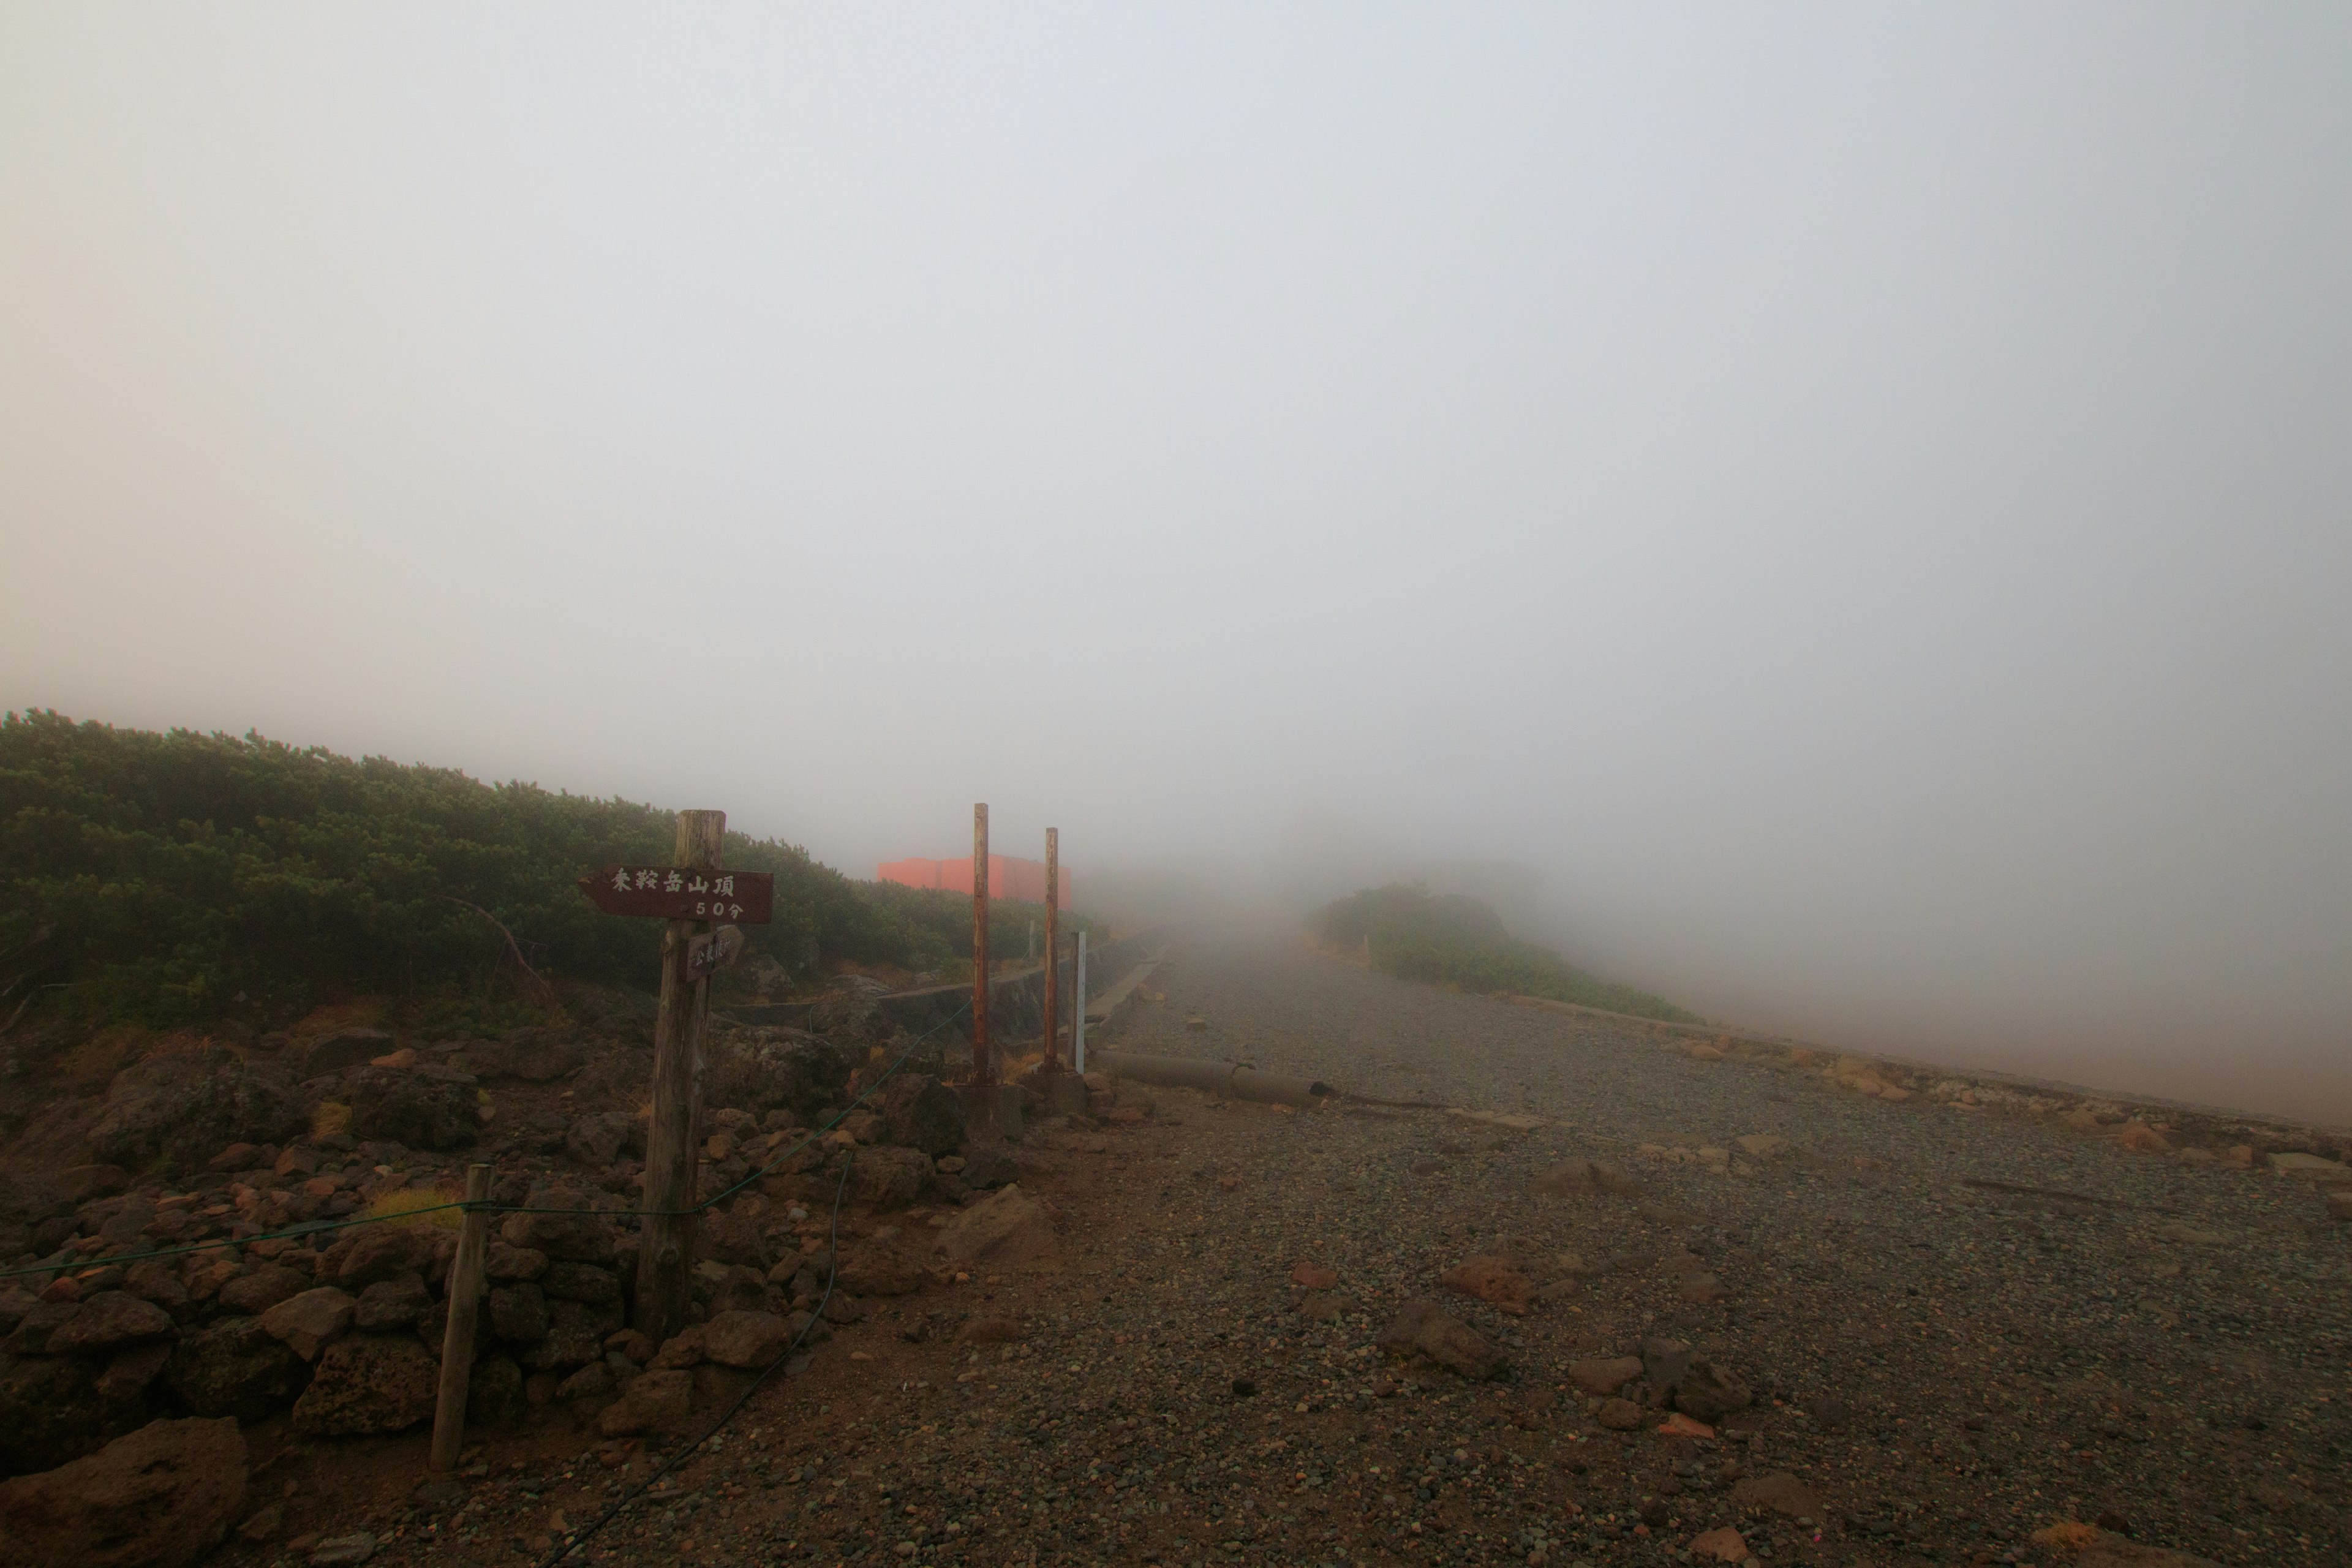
[[1834, 522]]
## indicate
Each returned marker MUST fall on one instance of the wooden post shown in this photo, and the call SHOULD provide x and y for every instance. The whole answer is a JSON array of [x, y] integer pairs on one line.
[[665, 1234], [465, 1297], [983, 1066], [1053, 946]]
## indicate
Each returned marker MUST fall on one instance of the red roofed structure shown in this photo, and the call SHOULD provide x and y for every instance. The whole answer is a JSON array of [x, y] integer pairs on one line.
[[1009, 876]]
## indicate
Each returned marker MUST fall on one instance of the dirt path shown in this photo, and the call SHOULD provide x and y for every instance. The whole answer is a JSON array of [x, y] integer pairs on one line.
[[1937, 1369]]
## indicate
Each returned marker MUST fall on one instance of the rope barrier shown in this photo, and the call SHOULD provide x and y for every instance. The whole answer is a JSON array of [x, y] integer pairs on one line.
[[316, 1227]]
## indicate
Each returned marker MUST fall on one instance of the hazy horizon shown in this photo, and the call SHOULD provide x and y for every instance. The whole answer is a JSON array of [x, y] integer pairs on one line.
[[1859, 501]]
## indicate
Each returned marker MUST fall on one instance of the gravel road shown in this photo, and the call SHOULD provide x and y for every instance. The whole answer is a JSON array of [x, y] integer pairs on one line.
[[1938, 1370]]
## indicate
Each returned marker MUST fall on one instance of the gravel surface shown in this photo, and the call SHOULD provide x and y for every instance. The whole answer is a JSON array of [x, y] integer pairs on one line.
[[1935, 1370]]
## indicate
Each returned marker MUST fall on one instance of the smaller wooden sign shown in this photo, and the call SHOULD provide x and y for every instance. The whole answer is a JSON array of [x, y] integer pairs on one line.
[[672, 893], [713, 952]]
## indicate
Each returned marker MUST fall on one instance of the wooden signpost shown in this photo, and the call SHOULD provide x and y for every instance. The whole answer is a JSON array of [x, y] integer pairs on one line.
[[695, 896]]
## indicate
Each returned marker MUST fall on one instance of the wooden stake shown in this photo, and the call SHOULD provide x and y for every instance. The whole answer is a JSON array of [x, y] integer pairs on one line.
[[1053, 945], [983, 1066], [465, 1299], [666, 1235]]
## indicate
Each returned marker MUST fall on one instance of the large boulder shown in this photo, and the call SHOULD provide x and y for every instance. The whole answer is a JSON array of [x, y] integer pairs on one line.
[[889, 1177], [551, 1223], [51, 1409], [106, 1322], [574, 1336], [368, 1382], [517, 1312], [778, 1069], [312, 1322], [261, 1289], [160, 1497], [882, 1270], [188, 1105], [1007, 1226], [597, 1141], [923, 1113], [655, 1398], [494, 1395], [25, 1200], [401, 1107], [386, 1252], [236, 1367]]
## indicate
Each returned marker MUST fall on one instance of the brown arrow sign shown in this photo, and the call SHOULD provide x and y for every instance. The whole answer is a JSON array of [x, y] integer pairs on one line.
[[673, 893]]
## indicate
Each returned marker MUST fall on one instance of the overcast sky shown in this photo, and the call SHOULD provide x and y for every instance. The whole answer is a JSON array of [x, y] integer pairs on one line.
[[1857, 495]]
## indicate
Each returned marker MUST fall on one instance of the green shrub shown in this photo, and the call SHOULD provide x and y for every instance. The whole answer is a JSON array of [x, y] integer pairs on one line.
[[162, 878], [1449, 939]]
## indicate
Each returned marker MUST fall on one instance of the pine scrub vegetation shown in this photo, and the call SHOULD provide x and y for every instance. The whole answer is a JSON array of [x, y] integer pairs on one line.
[[1448, 939], [159, 877]]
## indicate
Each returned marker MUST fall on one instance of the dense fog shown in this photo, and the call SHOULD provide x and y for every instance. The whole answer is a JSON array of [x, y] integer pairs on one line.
[[1839, 515]]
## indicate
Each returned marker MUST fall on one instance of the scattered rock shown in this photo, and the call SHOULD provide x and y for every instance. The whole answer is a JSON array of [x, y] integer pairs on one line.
[[652, 1399], [1780, 1493], [573, 1238], [409, 1107], [1710, 1392], [1423, 1327], [343, 1550], [2191, 1236], [1764, 1146], [2108, 1550], [534, 1055], [1724, 1545], [1619, 1414], [995, 1330], [160, 1497], [1492, 1280], [1602, 1377], [2142, 1138], [1571, 1177], [747, 1340], [1313, 1276], [597, 1141]]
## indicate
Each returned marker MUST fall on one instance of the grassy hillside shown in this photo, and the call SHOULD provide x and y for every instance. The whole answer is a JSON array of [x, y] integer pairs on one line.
[[1449, 939], [164, 878]]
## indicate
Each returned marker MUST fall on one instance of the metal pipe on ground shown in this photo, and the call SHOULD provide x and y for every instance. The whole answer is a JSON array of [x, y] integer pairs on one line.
[[1228, 1079]]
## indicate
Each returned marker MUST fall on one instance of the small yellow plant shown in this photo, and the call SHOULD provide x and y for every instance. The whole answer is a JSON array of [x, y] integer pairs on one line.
[[332, 1116], [2068, 1534], [401, 1207]]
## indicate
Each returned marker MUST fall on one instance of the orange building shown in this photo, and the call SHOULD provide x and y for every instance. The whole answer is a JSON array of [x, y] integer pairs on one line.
[[1009, 876]]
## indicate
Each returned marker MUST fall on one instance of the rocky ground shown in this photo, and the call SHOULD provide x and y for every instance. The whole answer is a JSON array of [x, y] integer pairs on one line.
[[1665, 1300]]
